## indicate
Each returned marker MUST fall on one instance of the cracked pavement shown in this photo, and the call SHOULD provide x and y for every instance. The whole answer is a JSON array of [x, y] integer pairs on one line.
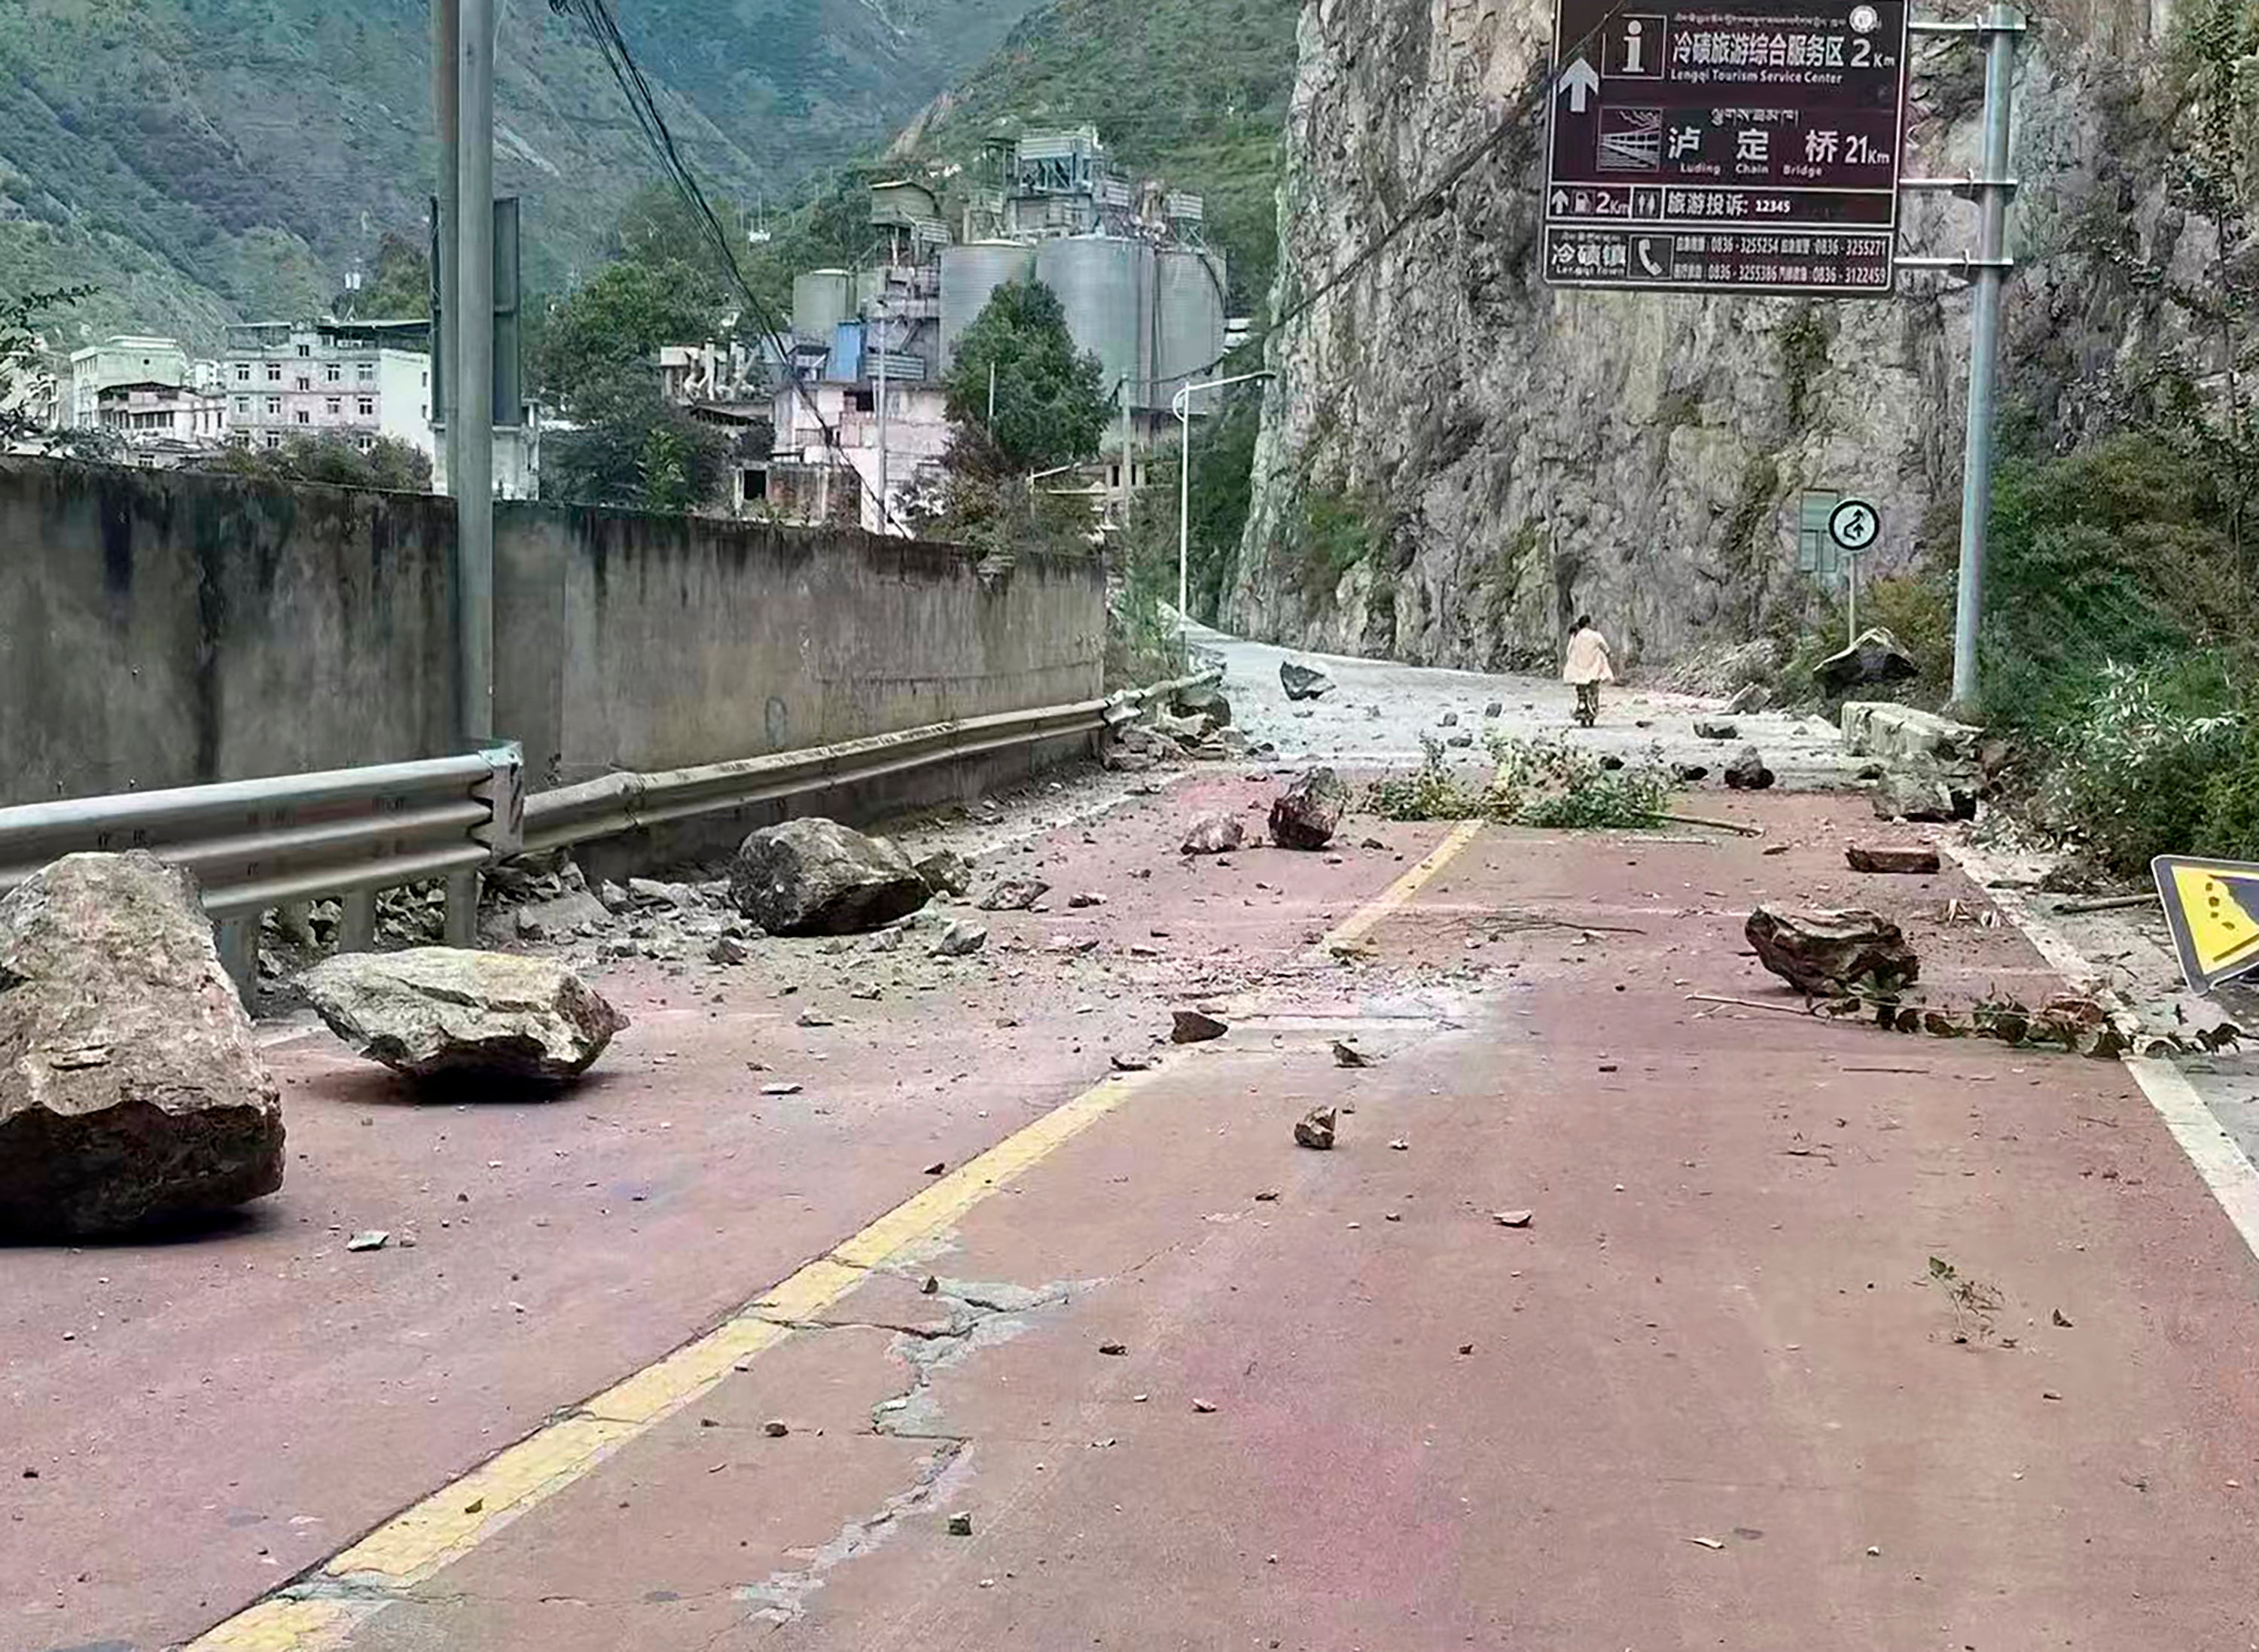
[[1184, 1384]]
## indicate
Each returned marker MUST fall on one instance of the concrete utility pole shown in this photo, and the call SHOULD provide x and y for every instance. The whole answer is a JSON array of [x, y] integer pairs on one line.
[[877, 315], [475, 364]]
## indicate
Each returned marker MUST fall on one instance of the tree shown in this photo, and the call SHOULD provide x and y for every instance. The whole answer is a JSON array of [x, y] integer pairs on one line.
[[392, 465], [399, 289], [634, 448], [24, 387], [614, 326], [1050, 408]]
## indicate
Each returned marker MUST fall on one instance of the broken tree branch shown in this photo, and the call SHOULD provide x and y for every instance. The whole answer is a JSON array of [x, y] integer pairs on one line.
[[1715, 825]]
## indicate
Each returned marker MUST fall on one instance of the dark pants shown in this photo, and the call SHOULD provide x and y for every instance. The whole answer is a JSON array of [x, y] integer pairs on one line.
[[1588, 701]]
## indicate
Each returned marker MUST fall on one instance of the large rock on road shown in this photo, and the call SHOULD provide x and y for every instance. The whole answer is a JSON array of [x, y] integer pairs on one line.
[[816, 877], [130, 1090], [437, 1011], [1306, 814], [1833, 954]]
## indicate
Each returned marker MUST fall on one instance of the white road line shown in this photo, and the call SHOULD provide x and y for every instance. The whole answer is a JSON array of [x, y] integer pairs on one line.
[[2224, 1166]]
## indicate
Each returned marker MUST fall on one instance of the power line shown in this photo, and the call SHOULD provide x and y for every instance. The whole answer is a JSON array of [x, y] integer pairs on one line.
[[596, 17]]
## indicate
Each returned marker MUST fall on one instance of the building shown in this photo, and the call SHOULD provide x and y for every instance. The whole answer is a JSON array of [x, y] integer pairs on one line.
[[159, 425], [359, 380], [516, 456], [123, 359], [816, 473]]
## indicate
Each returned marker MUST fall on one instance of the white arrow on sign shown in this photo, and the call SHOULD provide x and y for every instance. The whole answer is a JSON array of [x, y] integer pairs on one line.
[[1560, 200], [1580, 79]]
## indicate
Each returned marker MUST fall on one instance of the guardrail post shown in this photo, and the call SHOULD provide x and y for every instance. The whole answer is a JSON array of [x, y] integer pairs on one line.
[[357, 922], [462, 910], [238, 940]]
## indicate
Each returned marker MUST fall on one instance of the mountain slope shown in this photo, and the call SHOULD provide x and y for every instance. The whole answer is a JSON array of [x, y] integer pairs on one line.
[[202, 158]]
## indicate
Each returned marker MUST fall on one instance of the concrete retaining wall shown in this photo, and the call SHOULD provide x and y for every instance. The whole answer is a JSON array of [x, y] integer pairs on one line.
[[169, 628]]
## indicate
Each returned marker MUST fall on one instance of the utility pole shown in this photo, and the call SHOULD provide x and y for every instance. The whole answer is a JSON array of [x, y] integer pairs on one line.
[[444, 36], [992, 398], [1180, 405], [878, 315]]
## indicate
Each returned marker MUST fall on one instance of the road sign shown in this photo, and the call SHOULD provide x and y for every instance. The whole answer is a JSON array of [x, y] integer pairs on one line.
[[2211, 906], [1853, 524], [1725, 145]]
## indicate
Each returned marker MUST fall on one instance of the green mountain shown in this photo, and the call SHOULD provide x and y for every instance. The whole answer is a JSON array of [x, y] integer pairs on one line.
[[1194, 91], [200, 159]]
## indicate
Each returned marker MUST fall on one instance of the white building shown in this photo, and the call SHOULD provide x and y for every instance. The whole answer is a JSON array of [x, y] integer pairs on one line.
[[355, 380], [813, 477], [123, 358], [160, 425]]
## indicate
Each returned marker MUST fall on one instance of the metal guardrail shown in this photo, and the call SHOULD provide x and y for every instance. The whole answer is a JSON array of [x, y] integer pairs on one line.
[[257, 844]]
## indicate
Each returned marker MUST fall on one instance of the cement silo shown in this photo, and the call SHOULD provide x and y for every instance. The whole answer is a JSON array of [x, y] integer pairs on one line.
[[1105, 284], [969, 274], [820, 300], [1187, 318]]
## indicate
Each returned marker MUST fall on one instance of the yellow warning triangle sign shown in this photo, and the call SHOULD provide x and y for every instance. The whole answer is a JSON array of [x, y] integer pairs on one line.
[[2213, 908]]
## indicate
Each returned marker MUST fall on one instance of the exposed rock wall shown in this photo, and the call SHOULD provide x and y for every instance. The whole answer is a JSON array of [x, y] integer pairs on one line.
[[1456, 459]]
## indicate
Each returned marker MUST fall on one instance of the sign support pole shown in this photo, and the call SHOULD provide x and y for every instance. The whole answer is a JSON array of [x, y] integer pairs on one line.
[[1999, 28]]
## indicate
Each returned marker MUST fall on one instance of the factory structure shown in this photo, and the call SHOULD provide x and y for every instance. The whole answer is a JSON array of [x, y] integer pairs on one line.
[[1142, 289]]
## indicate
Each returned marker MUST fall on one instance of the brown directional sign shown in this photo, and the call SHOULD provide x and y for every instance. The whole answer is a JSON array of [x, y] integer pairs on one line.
[[1728, 146]]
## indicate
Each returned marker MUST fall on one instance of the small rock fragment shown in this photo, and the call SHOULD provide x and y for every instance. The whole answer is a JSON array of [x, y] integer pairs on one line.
[[1214, 835], [1747, 772], [1195, 1027], [961, 939], [1915, 859], [811, 1018], [1114, 1350], [1303, 682], [1513, 1218], [946, 871], [961, 1526], [1399, 1145], [1714, 728], [2061, 1321], [1129, 1064], [373, 1239], [1495, 709], [728, 949], [1013, 894], [937, 1167], [1315, 1129], [776, 1427], [1085, 898], [1344, 1055], [779, 1089], [931, 1287], [1203, 1405]]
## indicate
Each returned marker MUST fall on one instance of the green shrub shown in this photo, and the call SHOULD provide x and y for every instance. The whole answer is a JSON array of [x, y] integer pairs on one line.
[[2137, 773], [1547, 783]]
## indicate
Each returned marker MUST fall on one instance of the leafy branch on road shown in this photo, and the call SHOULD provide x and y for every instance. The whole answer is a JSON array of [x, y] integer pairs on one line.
[[1974, 1302], [1534, 782]]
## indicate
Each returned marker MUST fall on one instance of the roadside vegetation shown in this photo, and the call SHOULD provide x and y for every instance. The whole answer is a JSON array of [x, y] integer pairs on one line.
[[1549, 782]]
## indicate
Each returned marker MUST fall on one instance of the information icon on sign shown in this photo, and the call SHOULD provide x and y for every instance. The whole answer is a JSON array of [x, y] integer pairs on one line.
[[1635, 47], [1854, 525]]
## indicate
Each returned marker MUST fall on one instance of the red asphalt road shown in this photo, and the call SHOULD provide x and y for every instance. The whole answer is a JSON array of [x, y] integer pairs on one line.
[[1710, 1396]]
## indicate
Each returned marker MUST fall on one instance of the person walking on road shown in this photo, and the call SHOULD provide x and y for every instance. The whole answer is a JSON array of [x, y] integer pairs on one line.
[[1587, 668]]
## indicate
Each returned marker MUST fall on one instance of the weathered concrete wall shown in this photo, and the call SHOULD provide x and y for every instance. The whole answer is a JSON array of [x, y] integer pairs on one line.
[[166, 629], [681, 641], [160, 630]]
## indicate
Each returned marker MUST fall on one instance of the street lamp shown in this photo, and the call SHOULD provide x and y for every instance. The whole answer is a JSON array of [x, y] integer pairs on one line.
[[1180, 405]]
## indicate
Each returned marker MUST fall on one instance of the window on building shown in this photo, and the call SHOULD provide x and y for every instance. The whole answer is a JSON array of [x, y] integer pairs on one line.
[[305, 350], [861, 401], [243, 404], [1815, 550], [273, 440], [366, 444], [365, 373], [305, 382], [242, 372], [332, 372], [274, 372], [305, 417], [333, 407], [368, 406], [757, 482], [274, 405]]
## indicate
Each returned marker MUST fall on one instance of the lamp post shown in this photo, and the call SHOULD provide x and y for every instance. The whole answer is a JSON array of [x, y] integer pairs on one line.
[[1180, 405]]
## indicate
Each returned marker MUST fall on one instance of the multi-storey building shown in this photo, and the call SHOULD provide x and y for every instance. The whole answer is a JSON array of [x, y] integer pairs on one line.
[[358, 379], [160, 425], [123, 358]]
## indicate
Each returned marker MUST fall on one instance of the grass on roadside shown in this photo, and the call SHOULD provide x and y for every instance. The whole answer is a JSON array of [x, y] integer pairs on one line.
[[1533, 782]]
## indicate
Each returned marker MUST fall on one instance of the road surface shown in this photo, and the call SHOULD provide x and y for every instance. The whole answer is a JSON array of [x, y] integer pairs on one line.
[[1065, 1356]]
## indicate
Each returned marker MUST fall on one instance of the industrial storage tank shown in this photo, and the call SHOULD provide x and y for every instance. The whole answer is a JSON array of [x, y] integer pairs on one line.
[[969, 273], [1105, 283], [820, 300], [1187, 318]]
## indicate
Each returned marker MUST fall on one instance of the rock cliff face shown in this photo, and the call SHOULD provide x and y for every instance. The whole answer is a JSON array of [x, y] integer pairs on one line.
[[1456, 459]]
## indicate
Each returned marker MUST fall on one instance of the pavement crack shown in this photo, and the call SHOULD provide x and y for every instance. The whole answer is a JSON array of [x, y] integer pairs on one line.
[[782, 1597]]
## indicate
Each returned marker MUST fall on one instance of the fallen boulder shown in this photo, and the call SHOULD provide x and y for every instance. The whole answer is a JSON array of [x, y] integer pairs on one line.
[[1746, 772], [815, 877], [1916, 860], [1202, 700], [130, 1088], [1195, 1027], [961, 939], [1303, 682], [1012, 895], [1306, 814], [1874, 657], [1714, 728], [1923, 795], [1880, 728], [438, 1010], [1834, 954], [946, 871], [544, 920], [1316, 1129], [1214, 835], [1687, 773], [1751, 697]]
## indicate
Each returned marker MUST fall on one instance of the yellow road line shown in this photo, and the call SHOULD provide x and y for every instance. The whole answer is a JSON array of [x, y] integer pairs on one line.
[[431, 1535]]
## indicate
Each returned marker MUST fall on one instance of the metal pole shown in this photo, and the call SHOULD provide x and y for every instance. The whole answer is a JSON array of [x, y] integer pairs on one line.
[[1999, 27], [878, 314], [444, 37], [474, 422], [1123, 514], [1852, 586], [1183, 403], [992, 397]]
